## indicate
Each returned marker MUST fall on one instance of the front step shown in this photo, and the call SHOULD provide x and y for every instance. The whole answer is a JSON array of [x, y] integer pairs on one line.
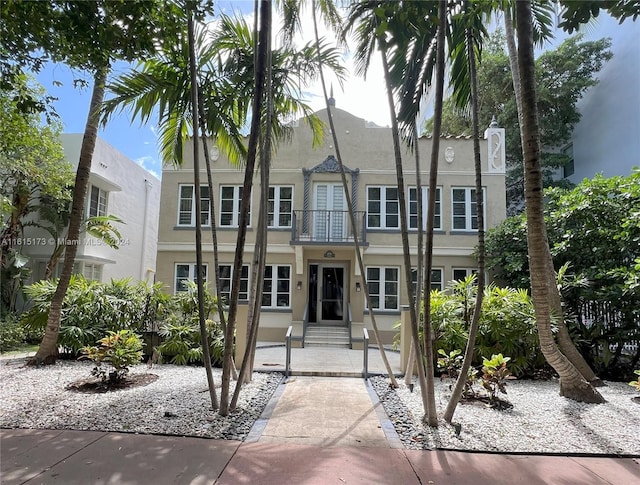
[[320, 336]]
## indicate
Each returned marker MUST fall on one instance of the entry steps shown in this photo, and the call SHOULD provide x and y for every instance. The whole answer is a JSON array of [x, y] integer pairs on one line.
[[327, 336]]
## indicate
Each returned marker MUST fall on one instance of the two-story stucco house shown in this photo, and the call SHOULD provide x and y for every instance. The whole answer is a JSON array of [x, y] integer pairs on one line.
[[312, 278], [117, 186]]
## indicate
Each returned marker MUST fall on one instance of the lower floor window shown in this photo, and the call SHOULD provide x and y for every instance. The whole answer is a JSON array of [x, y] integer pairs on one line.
[[226, 276], [185, 273], [461, 273], [382, 283], [436, 279], [276, 288]]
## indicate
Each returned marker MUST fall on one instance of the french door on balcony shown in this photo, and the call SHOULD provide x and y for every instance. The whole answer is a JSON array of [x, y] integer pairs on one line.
[[330, 212]]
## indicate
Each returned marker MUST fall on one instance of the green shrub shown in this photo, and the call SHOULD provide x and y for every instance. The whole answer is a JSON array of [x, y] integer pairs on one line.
[[11, 333], [494, 376], [119, 350], [91, 309], [181, 344], [636, 383]]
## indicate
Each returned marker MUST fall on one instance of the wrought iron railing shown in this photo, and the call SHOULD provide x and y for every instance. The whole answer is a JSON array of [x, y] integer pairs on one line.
[[324, 226]]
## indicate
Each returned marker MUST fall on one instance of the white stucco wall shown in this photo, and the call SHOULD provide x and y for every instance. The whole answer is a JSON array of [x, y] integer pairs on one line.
[[134, 197]]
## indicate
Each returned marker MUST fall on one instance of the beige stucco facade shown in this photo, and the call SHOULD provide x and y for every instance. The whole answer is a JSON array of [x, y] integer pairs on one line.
[[315, 240]]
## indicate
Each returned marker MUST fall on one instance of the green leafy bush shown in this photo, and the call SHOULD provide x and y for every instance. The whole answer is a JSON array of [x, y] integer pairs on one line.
[[11, 333], [182, 343], [119, 350], [91, 309], [494, 376], [636, 383]]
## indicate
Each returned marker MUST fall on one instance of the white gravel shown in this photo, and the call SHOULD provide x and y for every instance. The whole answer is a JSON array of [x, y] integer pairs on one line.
[[177, 403], [540, 421]]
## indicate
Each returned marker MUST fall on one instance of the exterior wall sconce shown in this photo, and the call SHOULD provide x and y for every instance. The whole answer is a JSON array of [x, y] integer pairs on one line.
[[299, 285], [358, 287]]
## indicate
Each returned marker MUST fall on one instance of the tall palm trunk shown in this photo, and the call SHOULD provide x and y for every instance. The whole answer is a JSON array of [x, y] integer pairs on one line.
[[351, 209], [572, 384], [204, 338], [475, 321], [427, 330], [245, 203], [428, 398], [48, 351]]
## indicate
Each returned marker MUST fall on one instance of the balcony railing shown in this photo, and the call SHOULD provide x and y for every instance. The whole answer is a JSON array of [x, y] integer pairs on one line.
[[327, 226]]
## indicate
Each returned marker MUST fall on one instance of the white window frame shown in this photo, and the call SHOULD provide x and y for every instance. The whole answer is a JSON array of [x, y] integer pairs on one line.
[[277, 289], [205, 206], [92, 271], [191, 276], [382, 287], [439, 285], [413, 204], [226, 279], [470, 209], [275, 211], [467, 272], [384, 202], [234, 211], [101, 203]]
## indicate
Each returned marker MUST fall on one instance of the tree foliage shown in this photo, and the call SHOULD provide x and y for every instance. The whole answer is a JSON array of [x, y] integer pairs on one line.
[[562, 76]]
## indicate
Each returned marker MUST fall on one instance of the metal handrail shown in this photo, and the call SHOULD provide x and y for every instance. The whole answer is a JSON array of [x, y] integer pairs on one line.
[[305, 322], [365, 369], [350, 318], [287, 341]]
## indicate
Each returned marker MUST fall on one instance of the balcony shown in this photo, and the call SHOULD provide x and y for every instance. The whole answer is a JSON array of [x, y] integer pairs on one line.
[[327, 226]]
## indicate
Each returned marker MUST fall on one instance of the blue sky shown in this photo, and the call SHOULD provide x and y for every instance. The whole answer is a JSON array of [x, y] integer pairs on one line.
[[140, 142]]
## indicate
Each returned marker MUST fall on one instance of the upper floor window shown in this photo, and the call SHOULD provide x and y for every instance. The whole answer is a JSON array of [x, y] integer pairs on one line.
[[186, 272], [280, 206], [383, 287], [413, 208], [568, 169], [276, 288], [187, 206], [97, 202], [226, 277], [464, 209], [230, 197], [383, 208]]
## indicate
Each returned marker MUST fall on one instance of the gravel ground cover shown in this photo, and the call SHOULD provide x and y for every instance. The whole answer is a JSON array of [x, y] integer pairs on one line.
[[540, 421], [177, 403]]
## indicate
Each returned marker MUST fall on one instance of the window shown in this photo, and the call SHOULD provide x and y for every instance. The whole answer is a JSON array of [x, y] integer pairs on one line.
[[187, 206], [280, 206], [92, 271], [461, 273], [568, 168], [383, 209], [413, 208], [226, 275], [464, 209], [187, 272], [276, 288], [230, 197], [383, 287], [436, 279], [97, 202]]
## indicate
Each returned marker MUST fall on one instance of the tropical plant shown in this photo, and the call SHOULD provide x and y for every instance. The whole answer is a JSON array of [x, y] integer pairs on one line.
[[119, 350], [11, 333], [450, 363], [636, 383], [182, 344], [494, 376]]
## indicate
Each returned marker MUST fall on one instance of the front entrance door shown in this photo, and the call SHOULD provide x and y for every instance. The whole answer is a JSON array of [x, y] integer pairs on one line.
[[328, 299]]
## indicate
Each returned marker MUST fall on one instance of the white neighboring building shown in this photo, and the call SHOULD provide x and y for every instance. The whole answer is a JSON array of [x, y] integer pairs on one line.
[[607, 138], [119, 187]]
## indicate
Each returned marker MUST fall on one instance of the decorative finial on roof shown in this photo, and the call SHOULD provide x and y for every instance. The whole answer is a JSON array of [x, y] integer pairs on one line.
[[332, 101], [494, 122]]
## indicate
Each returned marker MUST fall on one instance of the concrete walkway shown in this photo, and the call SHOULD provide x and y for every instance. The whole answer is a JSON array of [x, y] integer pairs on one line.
[[315, 430]]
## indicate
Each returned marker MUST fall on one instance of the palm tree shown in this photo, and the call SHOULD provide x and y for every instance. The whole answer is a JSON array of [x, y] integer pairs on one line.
[[572, 383]]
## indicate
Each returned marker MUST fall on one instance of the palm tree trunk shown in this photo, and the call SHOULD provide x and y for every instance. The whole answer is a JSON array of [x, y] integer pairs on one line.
[[48, 351], [564, 339], [204, 339], [572, 384], [261, 59], [351, 210], [475, 321]]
